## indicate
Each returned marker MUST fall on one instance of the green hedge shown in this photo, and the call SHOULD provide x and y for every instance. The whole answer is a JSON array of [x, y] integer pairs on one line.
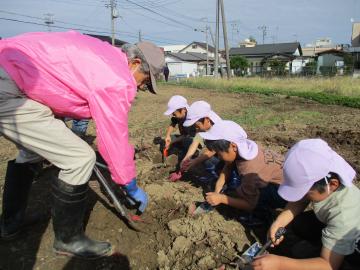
[[321, 97]]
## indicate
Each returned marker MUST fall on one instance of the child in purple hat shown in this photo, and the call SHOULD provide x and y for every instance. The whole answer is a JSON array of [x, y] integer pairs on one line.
[[330, 232], [260, 170]]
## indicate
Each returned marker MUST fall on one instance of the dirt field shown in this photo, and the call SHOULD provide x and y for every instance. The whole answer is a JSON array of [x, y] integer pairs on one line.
[[173, 240]]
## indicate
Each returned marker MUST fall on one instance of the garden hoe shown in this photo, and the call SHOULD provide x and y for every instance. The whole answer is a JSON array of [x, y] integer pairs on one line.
[[244, 261], [117, 203]]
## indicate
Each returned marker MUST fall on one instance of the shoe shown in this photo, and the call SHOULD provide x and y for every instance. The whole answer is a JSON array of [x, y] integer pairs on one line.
[[18, 181], [68, 216]]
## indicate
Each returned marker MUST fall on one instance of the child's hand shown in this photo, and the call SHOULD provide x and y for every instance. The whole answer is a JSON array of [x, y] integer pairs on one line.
[[214, 198], [186, 164], [272, 231], [266, 262], [167, 142]]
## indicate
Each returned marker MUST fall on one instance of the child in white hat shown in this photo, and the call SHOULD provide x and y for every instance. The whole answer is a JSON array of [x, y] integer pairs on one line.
[[202, 117], [260, 169], [315, 174], [178, 107]]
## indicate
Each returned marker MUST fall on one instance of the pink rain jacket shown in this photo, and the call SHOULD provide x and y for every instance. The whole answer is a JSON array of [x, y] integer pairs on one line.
[[80, 77]]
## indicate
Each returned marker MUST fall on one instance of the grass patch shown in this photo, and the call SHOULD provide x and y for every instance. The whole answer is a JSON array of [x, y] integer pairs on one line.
[[255, 117], [343, 91]]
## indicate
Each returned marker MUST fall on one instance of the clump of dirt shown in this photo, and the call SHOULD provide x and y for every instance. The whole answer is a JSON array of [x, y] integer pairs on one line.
[[208, 240]]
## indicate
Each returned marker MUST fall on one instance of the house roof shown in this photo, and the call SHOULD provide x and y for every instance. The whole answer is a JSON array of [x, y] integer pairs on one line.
[[267, 49], [185, 57], [312, 51], [202, 45], [353, 49], [108, 39], [201, 56], [193, 57], [332, 51], [174, 48]]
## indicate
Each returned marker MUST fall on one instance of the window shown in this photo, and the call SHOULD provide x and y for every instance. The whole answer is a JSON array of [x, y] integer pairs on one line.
[[194, 46]]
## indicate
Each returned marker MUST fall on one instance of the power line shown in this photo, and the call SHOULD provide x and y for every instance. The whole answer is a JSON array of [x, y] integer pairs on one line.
[[80, 29], [159, 14], [58, 21], [163, 22], [54, 26], [82, 25]]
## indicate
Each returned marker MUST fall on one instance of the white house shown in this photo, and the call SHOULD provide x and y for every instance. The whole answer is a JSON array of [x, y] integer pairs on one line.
[[199, 47], [182, 65], [173, 48]]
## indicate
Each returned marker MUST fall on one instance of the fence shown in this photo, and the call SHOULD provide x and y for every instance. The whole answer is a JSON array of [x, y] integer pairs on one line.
[[296, 71]]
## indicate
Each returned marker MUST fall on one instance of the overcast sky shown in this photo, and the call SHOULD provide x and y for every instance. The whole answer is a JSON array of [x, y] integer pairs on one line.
[[174, 21]]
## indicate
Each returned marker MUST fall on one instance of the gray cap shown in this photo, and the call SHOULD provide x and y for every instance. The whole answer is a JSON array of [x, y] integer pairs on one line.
[[155, 58]]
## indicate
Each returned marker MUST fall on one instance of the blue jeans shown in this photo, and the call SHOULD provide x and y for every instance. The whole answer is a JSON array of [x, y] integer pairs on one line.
[[79, 127]]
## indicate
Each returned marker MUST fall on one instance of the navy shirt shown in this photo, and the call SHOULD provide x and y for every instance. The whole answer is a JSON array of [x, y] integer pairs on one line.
[[186, 131]]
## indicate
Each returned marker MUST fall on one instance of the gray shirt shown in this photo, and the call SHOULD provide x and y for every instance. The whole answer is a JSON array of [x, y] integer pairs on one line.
[[340, 212]]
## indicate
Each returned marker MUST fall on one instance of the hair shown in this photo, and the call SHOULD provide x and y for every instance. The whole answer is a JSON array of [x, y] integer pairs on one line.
[[320, 185], [202, 120], [132, 52], [180, 109], [217, 145]]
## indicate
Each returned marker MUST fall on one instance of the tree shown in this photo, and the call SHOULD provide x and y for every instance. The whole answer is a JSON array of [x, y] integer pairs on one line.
[[238, 63], [349, 64], [252, 39], [277, 66], [310, 67]]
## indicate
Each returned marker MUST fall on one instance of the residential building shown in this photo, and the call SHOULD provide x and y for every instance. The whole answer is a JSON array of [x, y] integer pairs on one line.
[[173, 48], [118, 42], [355, 37], [355, 48], [247, 43], [191, 64], [259, 55], [330, 62], [199, 47]]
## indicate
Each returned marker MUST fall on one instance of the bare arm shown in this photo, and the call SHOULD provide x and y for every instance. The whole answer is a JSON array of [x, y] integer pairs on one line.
[[192, 149], [205, 155], [225, 173], [291, 210], [328, 260], [169, 131], [237, 203]]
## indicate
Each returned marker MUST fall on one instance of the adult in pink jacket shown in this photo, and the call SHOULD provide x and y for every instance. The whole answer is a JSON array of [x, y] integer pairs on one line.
[[43, 75]]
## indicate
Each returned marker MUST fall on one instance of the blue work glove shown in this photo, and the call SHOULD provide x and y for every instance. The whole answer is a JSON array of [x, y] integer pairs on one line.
[[137, 194]]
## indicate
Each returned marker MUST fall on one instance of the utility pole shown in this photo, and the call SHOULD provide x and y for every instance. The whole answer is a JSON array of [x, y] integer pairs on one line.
[[113, 15], [235, 34], [264, 32], [207, 50], [207, 45], [140, 39], [212, 36], [49, 20], [216, 66], [225, 39]]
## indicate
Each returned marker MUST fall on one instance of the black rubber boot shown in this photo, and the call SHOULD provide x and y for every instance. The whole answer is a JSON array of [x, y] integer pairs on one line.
[[68, 217], [18, 180]]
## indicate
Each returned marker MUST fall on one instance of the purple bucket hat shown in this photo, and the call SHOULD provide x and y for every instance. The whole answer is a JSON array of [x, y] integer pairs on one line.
[[232, 132], [309, 161], [198, 110]]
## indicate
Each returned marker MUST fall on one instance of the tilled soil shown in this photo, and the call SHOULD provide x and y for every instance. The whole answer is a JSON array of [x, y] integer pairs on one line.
[[170, 237]]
